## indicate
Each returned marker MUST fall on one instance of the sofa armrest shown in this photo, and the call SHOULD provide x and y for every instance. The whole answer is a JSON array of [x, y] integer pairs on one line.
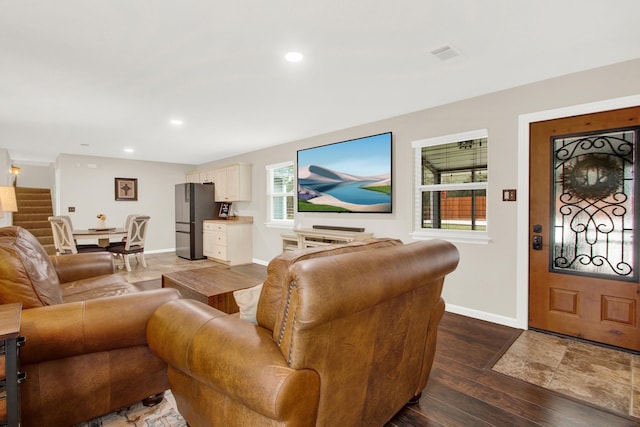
[[82, 266], [102, 324], [233, 356]]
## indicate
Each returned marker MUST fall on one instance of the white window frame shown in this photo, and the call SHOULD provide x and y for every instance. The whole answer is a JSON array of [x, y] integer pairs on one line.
[[278, 223], [459, 236]]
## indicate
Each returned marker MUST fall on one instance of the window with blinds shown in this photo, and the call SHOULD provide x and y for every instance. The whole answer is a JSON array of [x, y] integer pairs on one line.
[[451, 183], [280, 193]]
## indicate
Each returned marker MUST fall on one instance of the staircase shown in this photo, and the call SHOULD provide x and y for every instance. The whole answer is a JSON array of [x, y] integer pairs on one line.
[[34, 210]]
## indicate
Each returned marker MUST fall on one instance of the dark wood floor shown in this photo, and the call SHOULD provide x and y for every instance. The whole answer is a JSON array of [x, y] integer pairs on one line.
[[463, 391]]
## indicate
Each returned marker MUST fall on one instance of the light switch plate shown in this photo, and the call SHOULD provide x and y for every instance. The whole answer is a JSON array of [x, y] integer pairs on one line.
[[509, 195]]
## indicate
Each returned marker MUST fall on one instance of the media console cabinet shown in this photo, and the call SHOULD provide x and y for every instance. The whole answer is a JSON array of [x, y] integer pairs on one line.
[[311, 237]]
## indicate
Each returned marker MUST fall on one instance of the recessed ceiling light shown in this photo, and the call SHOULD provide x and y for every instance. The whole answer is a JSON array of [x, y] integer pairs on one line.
[[128, 150], [176, 122], [293, 57]]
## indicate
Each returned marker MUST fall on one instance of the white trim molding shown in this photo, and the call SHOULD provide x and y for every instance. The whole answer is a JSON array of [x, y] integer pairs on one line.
[[483, 315]]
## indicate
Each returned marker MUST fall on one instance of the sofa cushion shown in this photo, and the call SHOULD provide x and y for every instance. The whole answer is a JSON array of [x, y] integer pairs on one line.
[[26, 273], [107, 285], [277, 282]]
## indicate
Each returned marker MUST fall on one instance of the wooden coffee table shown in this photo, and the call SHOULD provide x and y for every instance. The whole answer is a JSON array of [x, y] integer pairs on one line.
[[212, 285]]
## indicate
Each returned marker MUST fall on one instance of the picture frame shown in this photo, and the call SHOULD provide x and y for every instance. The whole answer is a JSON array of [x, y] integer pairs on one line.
[[225, 209], [126, 189]]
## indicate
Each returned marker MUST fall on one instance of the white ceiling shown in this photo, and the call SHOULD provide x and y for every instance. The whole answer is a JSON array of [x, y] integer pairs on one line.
[[111, 73]]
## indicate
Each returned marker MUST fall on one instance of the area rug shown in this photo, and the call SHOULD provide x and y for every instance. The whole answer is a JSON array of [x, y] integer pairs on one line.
[[604, 377], [163, 414]]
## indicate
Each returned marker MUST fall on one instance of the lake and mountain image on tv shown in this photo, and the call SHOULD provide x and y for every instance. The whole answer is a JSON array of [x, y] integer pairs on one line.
[[348, 176]]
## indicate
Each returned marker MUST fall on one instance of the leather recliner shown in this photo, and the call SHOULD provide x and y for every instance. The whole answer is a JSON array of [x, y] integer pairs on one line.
[[345, 337], [86, 351]]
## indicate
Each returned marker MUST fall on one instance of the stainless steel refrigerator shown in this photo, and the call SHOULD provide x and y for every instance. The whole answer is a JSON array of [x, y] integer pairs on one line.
[[194, 204]]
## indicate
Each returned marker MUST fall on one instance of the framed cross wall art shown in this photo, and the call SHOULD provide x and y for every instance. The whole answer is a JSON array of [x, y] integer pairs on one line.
[[127, 189]]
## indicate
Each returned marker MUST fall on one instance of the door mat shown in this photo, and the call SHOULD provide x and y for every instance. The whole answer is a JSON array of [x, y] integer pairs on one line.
[[164, 414], [601, 376]]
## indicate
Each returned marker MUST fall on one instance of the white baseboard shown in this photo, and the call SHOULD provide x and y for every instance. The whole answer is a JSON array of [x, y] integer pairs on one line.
[[159, 251], [483, 315]]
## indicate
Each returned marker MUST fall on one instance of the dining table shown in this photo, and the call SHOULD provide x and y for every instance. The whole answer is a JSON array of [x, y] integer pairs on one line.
[[102, 235]]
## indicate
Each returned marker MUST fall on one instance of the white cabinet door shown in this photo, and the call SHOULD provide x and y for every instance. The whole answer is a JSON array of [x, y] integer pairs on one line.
[[208, 240], [220, 179], [208, 247], [209, 176], [193, 177], [233, 182]]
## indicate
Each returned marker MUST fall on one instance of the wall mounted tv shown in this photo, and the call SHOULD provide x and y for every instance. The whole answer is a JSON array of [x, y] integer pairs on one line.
[[348, 176]]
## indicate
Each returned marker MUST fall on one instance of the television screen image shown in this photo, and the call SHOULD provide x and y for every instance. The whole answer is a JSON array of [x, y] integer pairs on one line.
[[347, 176]]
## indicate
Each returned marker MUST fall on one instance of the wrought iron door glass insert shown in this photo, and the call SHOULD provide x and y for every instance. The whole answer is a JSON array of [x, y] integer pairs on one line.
[[593, 202]]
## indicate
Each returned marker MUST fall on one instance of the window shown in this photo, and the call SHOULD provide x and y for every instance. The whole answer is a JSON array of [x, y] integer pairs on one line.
[[280, 195], [451, 187]]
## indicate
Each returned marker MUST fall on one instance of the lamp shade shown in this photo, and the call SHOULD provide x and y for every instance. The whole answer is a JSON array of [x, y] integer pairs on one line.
[[8, 199]]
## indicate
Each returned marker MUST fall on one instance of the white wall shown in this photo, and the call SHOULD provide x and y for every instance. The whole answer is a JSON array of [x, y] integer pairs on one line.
[[5, 168], [87, 183], [485, 281], [36, 175]]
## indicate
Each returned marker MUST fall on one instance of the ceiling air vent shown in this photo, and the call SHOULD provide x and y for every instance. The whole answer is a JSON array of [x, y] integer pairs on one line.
[[445, 52]]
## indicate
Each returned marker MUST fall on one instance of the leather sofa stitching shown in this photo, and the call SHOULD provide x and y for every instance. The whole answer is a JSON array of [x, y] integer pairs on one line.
[[285, 318]]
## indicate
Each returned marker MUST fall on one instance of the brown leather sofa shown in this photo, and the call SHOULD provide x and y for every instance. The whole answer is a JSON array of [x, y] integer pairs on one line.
[[86, 352], [345, 337]]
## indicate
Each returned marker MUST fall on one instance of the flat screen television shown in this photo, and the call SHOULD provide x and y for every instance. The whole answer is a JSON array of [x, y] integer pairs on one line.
[[348, 176]]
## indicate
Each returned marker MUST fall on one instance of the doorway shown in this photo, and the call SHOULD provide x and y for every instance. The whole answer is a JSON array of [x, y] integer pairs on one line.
[[583, 210]]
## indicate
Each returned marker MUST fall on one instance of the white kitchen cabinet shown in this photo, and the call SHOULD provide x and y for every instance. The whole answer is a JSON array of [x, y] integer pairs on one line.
[[233, 183], [193, 177], [200, 176], [209, 176], [229, 241]]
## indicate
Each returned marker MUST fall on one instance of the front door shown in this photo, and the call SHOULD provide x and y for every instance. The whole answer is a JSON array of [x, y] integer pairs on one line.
[[584, 209]]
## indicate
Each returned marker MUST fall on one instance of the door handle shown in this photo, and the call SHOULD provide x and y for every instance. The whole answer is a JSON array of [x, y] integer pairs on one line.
[[537, 243]]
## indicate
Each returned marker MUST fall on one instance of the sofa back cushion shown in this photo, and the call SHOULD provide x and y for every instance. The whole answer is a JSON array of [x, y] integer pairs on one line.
[[274, 289], [26, 273]]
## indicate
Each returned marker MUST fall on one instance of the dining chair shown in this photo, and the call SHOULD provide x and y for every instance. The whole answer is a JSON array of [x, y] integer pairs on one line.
[[63, 237], [68, 219], [134, 243], [128, 220]]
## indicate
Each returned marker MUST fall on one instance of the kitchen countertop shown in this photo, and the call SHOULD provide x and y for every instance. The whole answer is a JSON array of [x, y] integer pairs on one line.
[[232, 220]]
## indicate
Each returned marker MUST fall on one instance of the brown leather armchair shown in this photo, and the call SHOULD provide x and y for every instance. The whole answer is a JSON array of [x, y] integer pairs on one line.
[[86, 351], [348, 341]]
